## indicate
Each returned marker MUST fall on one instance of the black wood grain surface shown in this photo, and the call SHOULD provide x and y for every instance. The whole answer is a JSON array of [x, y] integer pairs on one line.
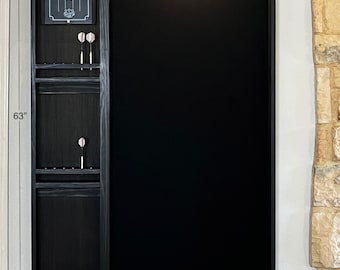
[[68, 227], [191, 125], [61, 120], [189, 142]]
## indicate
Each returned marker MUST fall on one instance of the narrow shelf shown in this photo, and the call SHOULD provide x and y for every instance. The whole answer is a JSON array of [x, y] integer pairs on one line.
[[67, 171], [68, 185], [68, 91], [67, 80], [67, 66]]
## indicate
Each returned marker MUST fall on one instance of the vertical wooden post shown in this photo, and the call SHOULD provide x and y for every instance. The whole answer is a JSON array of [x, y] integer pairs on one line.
[[105, 136]]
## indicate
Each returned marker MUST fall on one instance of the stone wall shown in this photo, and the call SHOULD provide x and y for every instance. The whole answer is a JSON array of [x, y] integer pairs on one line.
[[325, 205]]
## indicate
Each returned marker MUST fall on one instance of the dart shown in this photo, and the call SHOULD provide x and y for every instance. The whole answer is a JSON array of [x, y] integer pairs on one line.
[[90, 37], [81, 38], [81, 143]]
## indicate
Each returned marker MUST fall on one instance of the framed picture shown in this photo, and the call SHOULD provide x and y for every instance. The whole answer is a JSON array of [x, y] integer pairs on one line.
[[69, 11]]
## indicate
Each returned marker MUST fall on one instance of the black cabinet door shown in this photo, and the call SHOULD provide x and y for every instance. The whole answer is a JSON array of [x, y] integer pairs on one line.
[[191, 134]]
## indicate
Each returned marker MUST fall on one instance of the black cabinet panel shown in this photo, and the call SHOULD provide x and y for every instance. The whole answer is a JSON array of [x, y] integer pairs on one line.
[[68, 232], [191, 134], [70, 97], [64, 72], [48, 176], [59, 43], [61, 121]]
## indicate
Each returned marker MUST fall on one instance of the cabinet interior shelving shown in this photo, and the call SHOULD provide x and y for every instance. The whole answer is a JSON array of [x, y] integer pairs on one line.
[[70, 101]]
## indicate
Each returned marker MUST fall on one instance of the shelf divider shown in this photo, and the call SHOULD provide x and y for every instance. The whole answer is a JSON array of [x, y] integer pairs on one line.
[[67, 185], [67, 66], [67, 80], [67, 171]]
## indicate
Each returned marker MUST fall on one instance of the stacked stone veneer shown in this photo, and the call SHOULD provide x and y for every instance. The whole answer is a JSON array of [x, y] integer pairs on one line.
[[325, 210]]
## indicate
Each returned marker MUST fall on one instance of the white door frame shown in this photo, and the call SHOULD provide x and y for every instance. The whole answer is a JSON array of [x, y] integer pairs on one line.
[[4, 81], [15, 135]]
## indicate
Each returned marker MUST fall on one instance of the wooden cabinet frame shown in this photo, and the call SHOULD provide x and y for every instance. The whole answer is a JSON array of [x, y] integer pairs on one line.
[[102, 79]]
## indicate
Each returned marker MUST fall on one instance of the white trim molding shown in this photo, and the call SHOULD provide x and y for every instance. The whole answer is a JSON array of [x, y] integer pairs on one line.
[[4, 83], [19, 137]]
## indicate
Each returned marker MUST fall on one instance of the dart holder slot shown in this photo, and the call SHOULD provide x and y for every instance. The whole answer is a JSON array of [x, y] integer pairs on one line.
[[86, 41]]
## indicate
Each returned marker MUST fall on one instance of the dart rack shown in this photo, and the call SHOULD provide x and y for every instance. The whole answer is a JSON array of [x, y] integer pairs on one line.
[[70, 100]]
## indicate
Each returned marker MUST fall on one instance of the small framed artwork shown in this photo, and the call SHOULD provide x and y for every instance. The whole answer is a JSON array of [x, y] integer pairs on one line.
[[69, 11]]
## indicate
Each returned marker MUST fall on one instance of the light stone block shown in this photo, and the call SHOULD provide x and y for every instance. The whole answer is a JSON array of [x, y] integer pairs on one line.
[[335, 106], [323, 144], [323, 95], [326, 188], [336, 143], [317, 6], [332, 16], [336, 77], [326, 49], [325, 237]]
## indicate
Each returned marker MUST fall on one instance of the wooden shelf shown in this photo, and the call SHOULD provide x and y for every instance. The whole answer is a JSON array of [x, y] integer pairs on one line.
[[67, 185], [67, 91], [67, 66], [67, 171], [67, 80]]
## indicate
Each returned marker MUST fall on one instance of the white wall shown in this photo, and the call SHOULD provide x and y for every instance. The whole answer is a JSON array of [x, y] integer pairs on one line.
[[295, 132]]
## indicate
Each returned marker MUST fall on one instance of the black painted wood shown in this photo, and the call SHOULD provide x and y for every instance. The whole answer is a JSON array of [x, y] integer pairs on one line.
[[57, 44], [70, 74], [68, 192], [67, 80], [67, 171], [105, 136], [82, 178], [33, 134], [70, 100], [70, 88], [191, 144], [67, 66], [272, 128], [61, 121], [68, 231], [63, 185]]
